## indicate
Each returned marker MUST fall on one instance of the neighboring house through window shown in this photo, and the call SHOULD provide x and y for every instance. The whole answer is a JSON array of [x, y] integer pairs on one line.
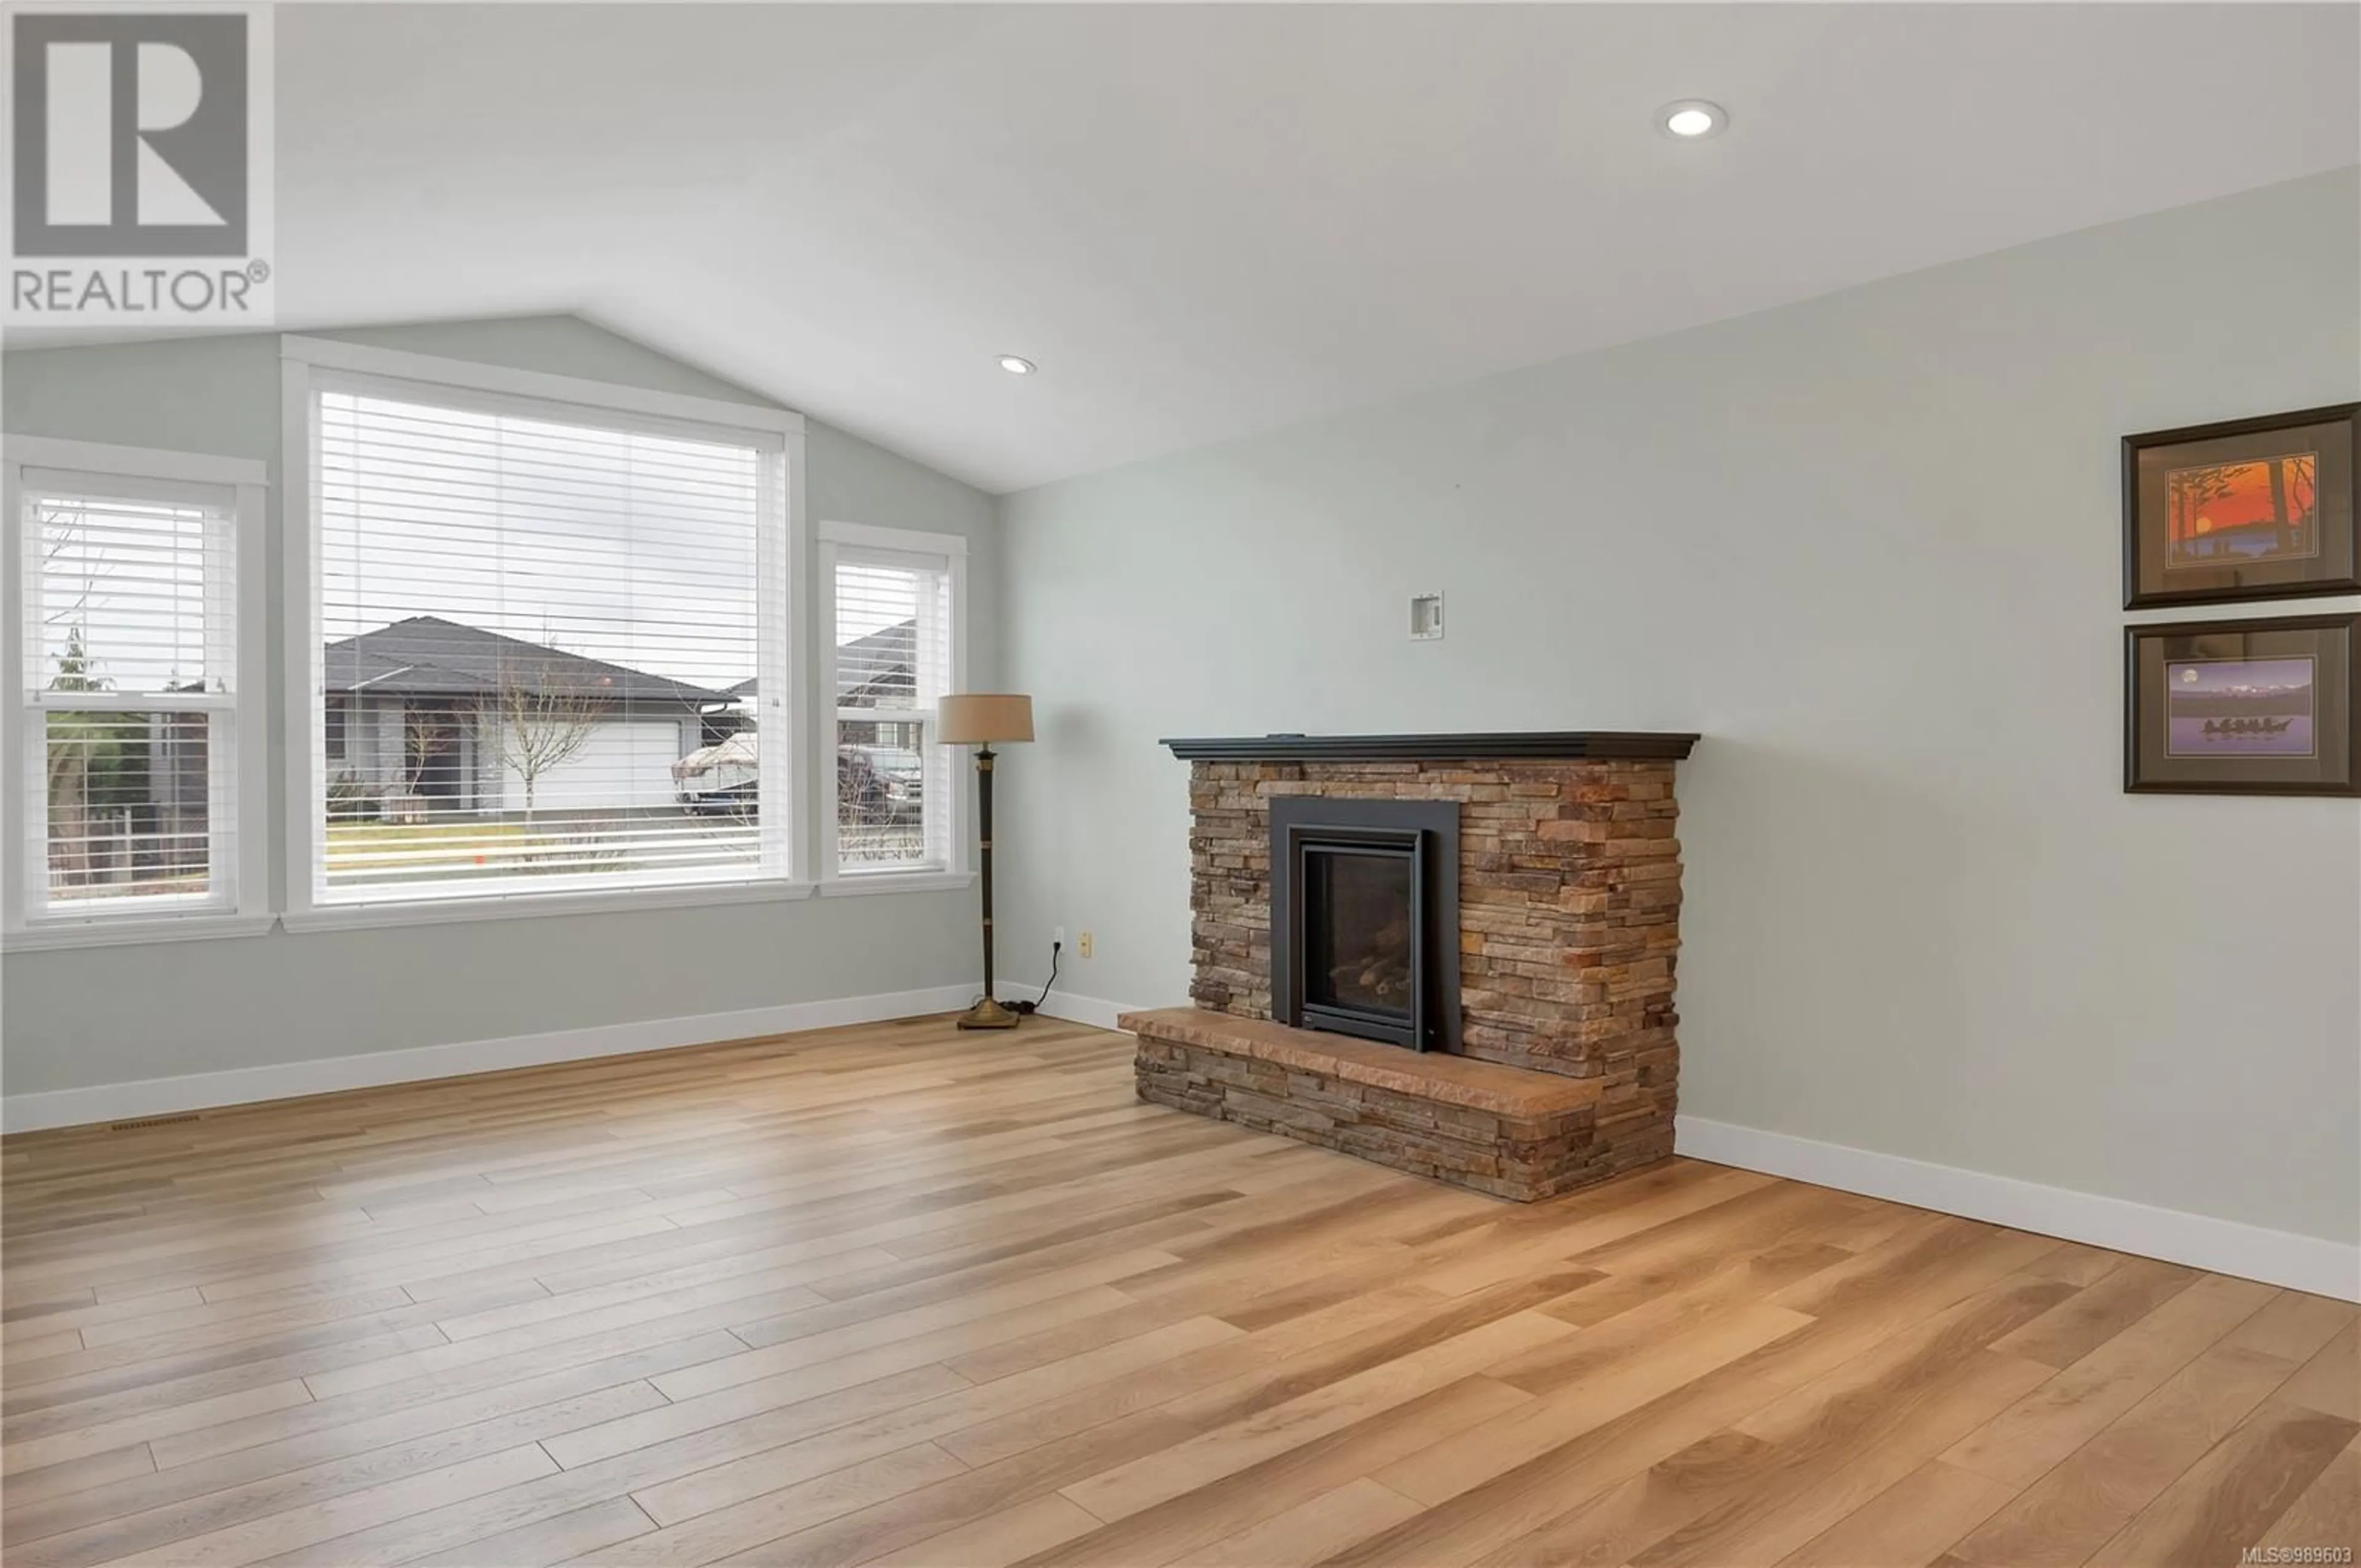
[[134, 739], [430, 717], [529, 612], [896, 612]]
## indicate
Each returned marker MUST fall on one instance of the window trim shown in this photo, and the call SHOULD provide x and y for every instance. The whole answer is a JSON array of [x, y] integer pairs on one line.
[[892, 879], [249, 909], [538, 385], [951, 548], [608, 900], [467, 380]]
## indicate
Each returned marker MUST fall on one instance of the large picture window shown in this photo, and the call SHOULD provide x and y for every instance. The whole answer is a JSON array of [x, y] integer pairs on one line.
[[132, 705], [548, 651], [894, 603]]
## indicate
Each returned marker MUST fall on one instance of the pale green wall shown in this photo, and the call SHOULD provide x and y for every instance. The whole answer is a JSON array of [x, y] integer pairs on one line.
[[1869, 545], [83, 1017]]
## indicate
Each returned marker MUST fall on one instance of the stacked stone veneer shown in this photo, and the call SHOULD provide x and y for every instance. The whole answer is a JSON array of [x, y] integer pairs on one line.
[[1569, 910], [1512, 1133]]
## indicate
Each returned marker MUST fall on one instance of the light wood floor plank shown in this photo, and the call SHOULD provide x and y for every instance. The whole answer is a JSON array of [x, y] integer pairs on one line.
[[1015, 1533], [2225, 1502], [2059, 1417], [278, 1491], [561, 1539], [2294, 1326], [1310, 1530], [927, 1420], [2331, 1381], [1180, 1529], [30, 1488], [2072, 1510], [2326, 1514], [720, 1536], [895, 1295], [1767, 1483], [1909, 1524]]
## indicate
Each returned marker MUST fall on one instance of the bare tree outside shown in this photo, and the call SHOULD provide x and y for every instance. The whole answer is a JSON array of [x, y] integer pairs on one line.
[[87, 754], [532, 724], [71, 757], [90, 755]]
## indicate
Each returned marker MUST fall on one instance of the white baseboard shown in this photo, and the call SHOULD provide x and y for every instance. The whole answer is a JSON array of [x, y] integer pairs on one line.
[[241, 1086], [2223, 1246], [1088, 1009]]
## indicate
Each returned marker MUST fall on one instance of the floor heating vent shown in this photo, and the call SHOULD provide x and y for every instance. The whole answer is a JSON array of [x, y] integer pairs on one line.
[[151, 1122]]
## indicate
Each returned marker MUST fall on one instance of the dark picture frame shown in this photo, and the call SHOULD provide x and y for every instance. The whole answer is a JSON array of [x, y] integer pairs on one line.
[[2266, 707], [2246, 508]]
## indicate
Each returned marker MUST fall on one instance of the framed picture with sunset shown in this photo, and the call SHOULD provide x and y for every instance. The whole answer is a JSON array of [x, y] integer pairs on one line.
[[2251, 508], [2244, 707]]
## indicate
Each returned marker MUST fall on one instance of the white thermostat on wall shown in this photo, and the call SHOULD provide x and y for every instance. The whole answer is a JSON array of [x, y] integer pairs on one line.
[[1425, 617]]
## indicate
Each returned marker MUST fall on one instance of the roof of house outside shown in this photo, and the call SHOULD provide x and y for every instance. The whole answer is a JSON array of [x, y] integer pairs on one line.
[[883, 664], [427, 655], [884, 661]]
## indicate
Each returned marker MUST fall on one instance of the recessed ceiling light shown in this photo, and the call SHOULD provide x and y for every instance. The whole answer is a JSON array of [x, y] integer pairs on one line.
[[1692, 119], [1015, 366]]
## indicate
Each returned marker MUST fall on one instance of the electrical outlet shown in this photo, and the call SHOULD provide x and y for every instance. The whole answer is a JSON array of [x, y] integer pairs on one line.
[[1058, 935], [1082, 948]]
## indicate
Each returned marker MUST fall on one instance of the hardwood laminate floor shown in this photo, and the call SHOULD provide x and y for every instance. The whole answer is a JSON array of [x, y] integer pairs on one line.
[[895, 1295]]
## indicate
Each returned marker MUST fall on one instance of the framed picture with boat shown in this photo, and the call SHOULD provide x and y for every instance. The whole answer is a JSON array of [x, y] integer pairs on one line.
[[2250, 509], [2244, 707]]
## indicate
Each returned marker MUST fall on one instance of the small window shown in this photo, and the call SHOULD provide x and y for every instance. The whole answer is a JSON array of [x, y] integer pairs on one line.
[[130, 703], [895, 602]]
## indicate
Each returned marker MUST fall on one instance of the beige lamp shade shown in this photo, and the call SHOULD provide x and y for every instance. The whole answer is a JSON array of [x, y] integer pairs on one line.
[[984, 718]]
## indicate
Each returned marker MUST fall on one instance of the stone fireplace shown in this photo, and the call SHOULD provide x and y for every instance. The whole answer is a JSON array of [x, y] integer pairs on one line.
[[1505, 907]]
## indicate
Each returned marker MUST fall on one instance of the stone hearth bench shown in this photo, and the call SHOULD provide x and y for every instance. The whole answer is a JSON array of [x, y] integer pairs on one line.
[[1501, 1130]]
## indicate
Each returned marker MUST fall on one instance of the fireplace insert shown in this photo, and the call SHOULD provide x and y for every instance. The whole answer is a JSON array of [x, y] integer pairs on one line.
[[1364, 918]]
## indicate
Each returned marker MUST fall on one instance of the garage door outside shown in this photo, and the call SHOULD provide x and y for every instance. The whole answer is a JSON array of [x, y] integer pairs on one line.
[[622, 766]]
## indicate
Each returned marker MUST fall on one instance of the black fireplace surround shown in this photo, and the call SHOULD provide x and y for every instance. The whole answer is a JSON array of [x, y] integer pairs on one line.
[[1364, 918]]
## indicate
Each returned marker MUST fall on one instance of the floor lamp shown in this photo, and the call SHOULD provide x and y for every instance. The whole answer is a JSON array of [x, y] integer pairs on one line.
[[981, 720]]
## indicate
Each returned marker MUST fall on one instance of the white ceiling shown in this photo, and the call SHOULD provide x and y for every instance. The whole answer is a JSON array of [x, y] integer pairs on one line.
[[1202, 221]]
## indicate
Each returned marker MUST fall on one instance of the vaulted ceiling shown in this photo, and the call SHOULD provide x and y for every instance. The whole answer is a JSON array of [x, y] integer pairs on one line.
[[1205, 220]]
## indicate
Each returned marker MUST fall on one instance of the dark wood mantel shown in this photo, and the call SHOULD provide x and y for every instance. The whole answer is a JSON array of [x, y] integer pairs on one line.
[[1652, 745]]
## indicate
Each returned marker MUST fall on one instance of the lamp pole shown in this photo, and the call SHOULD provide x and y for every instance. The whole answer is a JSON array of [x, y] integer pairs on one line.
[[987, 1013], [980, 719]]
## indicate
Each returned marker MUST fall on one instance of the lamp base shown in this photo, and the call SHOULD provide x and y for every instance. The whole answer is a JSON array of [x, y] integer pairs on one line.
[[987, 1014]]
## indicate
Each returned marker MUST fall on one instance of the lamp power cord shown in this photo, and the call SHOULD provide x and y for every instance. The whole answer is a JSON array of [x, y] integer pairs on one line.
[[1026, 1009]]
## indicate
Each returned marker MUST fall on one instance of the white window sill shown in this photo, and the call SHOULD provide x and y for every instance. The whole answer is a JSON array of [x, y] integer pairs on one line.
[[134, 930], [896, 881], [442, 911]]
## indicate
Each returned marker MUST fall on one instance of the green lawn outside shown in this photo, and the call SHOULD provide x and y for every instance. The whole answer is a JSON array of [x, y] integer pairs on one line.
[[460, 848], [429, 846]]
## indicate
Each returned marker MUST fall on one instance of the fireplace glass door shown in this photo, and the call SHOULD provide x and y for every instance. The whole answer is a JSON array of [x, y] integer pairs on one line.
[[1364, 918], [1360, 933]]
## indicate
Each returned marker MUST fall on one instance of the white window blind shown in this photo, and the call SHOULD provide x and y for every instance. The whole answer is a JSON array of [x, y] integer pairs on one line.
[[131, 703], [551, 648], [895, 641]]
